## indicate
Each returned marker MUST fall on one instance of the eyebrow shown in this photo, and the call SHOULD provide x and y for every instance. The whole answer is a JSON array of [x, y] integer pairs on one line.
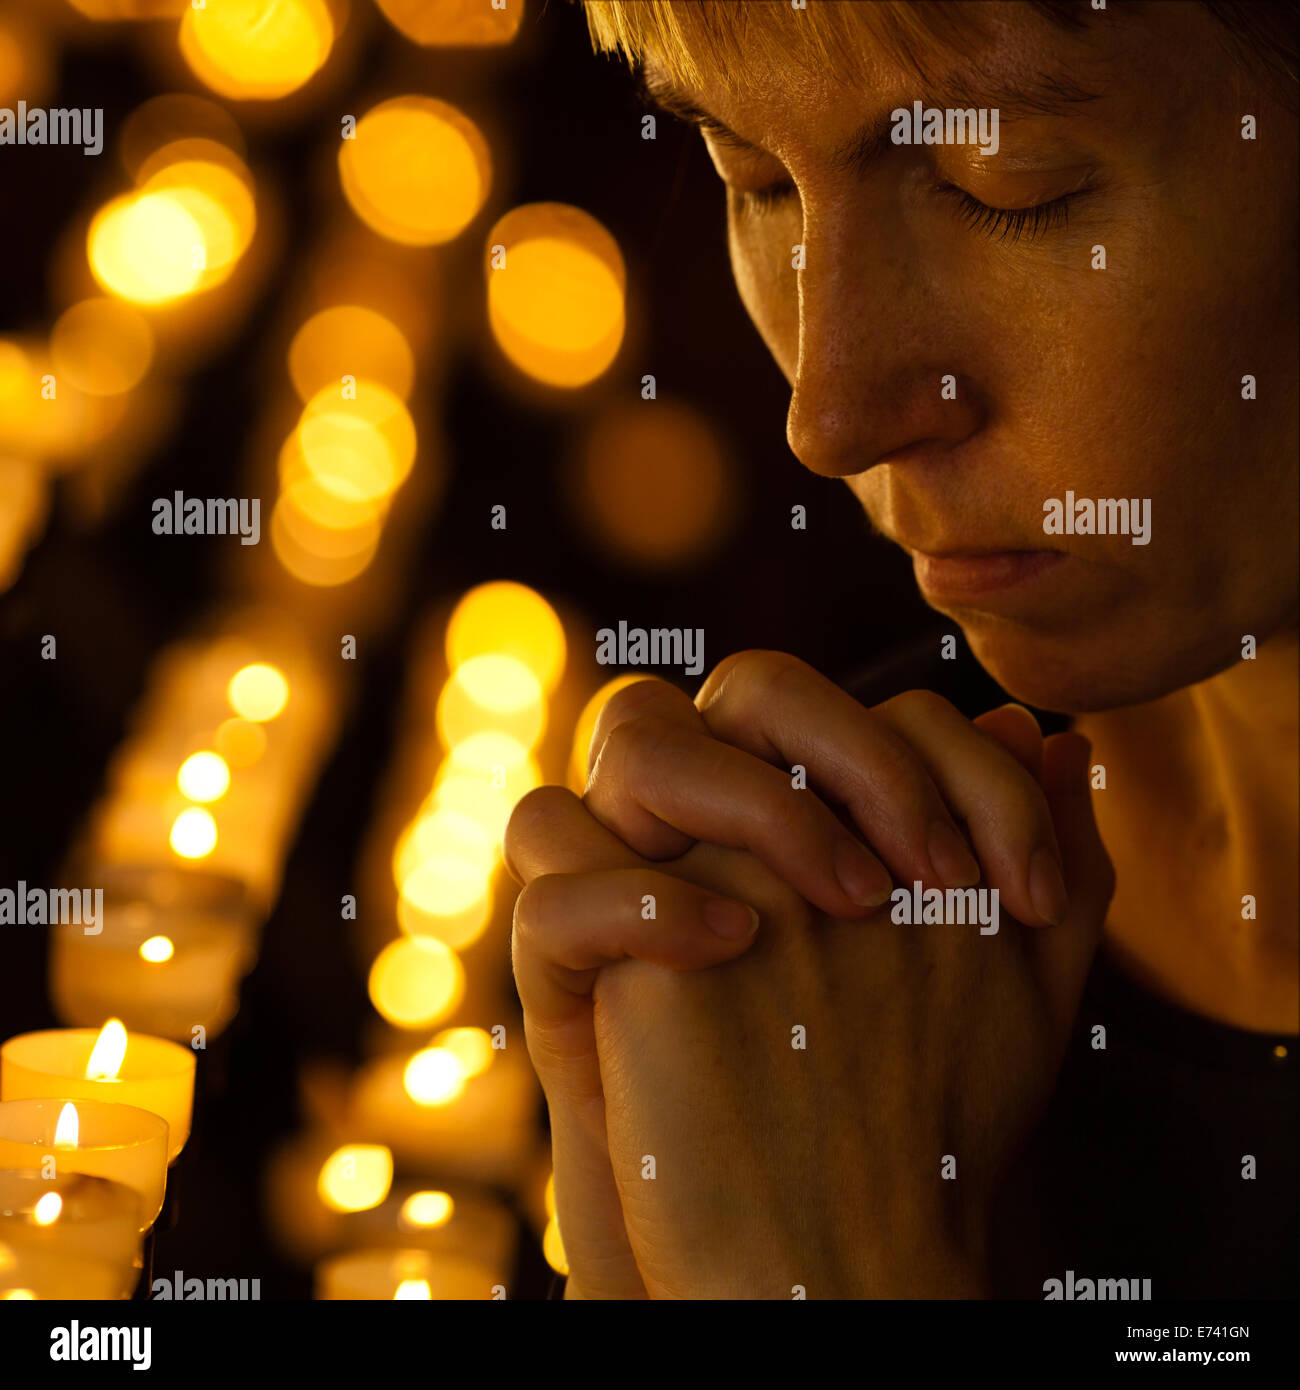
[[1054, 95]]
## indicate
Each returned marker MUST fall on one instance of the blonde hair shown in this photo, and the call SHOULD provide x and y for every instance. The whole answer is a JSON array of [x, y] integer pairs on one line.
[[725, 40]]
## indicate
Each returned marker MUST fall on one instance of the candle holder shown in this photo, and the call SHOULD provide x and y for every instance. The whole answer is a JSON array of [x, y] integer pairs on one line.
[[155, 1075], [120, 1142], [68, 1237]]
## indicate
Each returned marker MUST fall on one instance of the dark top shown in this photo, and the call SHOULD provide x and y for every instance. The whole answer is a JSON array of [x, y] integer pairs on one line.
[[1137, 1169]]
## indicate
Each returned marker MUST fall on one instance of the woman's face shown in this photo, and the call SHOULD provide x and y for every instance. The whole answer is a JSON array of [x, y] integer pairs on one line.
[[1123, 382]]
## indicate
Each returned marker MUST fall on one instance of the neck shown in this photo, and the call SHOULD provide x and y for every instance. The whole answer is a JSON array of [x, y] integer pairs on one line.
[[1201, 821]]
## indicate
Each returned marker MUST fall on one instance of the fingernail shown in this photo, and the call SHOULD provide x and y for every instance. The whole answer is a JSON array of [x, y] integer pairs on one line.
[[956, 866], [865, 881], [730, 919], [1047, 887]]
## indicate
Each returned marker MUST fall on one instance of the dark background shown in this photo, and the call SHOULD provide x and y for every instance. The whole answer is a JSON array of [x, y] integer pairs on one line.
[[115, 595]]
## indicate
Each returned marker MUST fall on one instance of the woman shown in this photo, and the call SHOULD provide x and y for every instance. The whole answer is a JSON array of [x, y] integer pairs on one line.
[[1050, 345]]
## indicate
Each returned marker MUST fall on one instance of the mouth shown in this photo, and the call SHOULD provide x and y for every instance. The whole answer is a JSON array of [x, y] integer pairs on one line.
[[969, 574]]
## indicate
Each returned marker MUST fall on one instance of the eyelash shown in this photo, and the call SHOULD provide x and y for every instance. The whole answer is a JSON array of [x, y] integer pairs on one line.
[[1001, 224]]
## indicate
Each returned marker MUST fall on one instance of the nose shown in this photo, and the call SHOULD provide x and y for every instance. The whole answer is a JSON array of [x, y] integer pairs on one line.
[[879, 371]]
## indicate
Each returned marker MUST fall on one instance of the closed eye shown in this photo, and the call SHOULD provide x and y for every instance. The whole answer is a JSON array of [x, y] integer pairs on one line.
[[1010, 224], [762, 200]]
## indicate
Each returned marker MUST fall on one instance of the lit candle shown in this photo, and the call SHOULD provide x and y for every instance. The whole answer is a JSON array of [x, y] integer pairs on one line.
[[59, 1137], [406, 1274], [479, 1127], [106, 1065], [69, 1236]]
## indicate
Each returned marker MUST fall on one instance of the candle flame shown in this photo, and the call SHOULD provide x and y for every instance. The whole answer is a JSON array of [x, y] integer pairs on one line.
[[68, 1129], [48, 1209], [157, 949], [413, 1288], [108, 1053]]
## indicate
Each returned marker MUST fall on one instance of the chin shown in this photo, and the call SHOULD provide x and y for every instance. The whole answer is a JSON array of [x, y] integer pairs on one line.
[[1077, 673]]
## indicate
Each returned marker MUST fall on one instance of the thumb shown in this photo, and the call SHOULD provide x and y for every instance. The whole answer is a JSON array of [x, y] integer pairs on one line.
[[1064, 954]]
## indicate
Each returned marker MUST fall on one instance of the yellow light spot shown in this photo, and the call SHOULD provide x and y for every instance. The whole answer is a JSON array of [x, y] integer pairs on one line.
[[458, 23], [548, 1197], [413, 1289], [203, 776], [434, 1077], [492, 692], [256, 49], [68, 1129], [47, 1209], [103, 347], [446, 885], [348, 340], [426, 1210], [556, 303], [586, 727], [505, 618], [18, 1295], [194, 833], [1279, 1052], [476, 798], [415, 981], [442, 833], [146, 247], [553, 1248], [471, 1045], [220, 201], [320, 555], [108, 1053], [356, 1177], [416, 171], [157, 949], [653, 488], [240, 742], [361, 444], [258, 692]]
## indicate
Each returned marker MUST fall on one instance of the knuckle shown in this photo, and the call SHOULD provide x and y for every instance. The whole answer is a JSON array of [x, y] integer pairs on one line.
[[534, 814]]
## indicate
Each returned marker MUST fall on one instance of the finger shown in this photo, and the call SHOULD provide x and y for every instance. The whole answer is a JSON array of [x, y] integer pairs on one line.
[[1065, 954], [567, 926], [782, 711], [1004, 808], [1017, 731], [652, 770], [550, 831]]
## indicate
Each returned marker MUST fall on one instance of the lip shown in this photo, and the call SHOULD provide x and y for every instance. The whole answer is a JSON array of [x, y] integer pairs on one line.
[[979, 574]]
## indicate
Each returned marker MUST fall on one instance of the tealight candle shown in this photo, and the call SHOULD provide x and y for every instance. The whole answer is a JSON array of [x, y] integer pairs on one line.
[[62, 1136], [70, 1236], [105, 1065], [405, 1274]]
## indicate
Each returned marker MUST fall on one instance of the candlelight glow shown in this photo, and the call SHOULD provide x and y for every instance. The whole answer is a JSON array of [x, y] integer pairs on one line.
[[68, 1129], [443, 832], [356, 1177], [240, 742], [416, 170], [471, 1045], [434, 1077], [102, 346], [415, 981], [203, 777], [509, 619], [146, 247], [458, 23], [426, 1210], [553, 1247], [194, 833], [47, 1210], [18, 1295], [361, 445], [258, 692], [555, 293], [157, 949], [108, 1053], [413, 1288], [256, 49], [492, 692], [548, 1197], [217, 194], [476, 798], [348, 340], [586, 726]]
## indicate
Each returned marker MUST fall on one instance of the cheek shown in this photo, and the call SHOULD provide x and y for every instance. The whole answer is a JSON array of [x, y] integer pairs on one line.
[[769, 288]]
